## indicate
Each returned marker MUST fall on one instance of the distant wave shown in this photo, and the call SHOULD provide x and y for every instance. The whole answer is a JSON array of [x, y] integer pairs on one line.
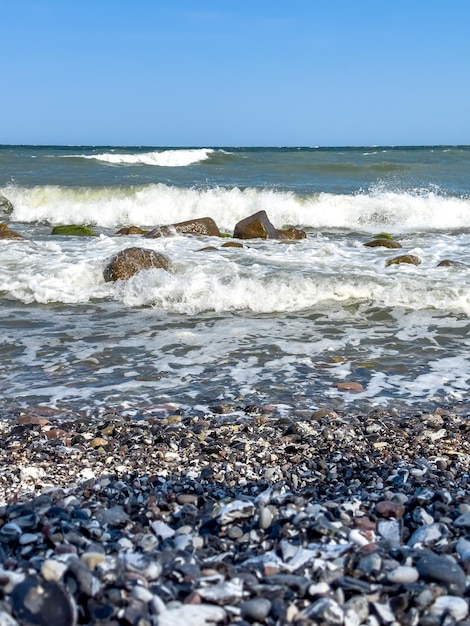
[[160, 158]]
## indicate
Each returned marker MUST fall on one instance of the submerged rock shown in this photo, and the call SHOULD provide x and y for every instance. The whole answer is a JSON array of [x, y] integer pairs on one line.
[[200, 226], [382, 243], [404, 258], [6, 233], [73, 229], [132, 230], [132, 260], [450, 263]]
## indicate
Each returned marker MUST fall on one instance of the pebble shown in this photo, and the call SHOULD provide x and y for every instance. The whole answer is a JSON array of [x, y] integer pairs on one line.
[[443, 569], [403, 574], [256, 609], [452, 605]]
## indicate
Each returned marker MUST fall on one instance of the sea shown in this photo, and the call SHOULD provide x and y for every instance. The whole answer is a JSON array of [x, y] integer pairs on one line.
[[274, 324]]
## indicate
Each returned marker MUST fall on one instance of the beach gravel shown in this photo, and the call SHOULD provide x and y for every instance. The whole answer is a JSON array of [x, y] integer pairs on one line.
[[245, 517]]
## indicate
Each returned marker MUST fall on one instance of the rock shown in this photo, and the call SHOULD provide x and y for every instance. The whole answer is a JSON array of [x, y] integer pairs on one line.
[[42, 603], [5, 205], [450, 605], [200, 226], [403, 574], [232, 244], [382, 243], [404, 258], [450, 263], [386, 508], [6, 233], [256, 609], [194, 614], [463, 521], [326, 611], [258, 226], [132, 260], [73, 229], [443, 569], [132, 230], [350, 386], [427, 534], [291, 234]]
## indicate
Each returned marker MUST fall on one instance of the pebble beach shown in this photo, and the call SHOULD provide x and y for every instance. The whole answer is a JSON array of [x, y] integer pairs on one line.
[[242, 515]]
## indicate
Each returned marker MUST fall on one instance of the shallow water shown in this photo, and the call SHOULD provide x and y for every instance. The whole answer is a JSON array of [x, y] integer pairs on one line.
[[272, 323]]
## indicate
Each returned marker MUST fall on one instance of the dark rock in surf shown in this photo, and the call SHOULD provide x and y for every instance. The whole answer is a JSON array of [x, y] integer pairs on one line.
[[232, 244], [450, 263], [404, 258], [74, 230], [132, 260], [258, 226], [200, 226], [5, 205], [132, 230], [382, 243], [291, 234], [6, 233]]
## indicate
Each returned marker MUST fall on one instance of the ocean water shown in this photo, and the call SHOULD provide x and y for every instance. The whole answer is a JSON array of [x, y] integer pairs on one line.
[[272, 323]]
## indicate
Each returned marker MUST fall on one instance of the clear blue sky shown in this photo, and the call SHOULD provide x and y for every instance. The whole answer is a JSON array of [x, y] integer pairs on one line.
[[235, 72]]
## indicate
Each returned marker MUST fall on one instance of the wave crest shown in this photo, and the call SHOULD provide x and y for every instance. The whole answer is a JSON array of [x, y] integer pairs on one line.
[[160, 158]]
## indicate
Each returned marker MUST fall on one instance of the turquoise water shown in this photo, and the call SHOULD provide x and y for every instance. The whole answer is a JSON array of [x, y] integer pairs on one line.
[[270, 323]]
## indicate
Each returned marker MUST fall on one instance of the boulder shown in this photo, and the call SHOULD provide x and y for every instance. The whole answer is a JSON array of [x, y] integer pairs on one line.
[[258, 226], [382, 243], [132, 260], [73, 229], [404, 258], [132, 230], [5, 205], [200, 226], [6, 233]]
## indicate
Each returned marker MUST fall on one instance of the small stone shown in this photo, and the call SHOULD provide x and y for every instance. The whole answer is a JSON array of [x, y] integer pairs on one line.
[[53, 570], [463, 521], [443, 569], [194, 614], [387, 508], [42, 603], [426, 535], [403, 574], [352, 387], [326, 611], [265, 517], [256, 609], [92, 559], [452, 605]]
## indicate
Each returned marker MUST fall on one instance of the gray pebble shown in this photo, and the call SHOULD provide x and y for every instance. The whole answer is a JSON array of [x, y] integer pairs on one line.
[[256, 609]]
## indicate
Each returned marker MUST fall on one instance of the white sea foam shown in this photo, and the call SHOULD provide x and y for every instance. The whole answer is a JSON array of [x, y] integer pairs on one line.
[[160, 158], [150, 205], [261, 278]]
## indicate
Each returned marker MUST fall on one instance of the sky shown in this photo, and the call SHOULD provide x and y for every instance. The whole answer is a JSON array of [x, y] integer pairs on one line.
[[235, 72]]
